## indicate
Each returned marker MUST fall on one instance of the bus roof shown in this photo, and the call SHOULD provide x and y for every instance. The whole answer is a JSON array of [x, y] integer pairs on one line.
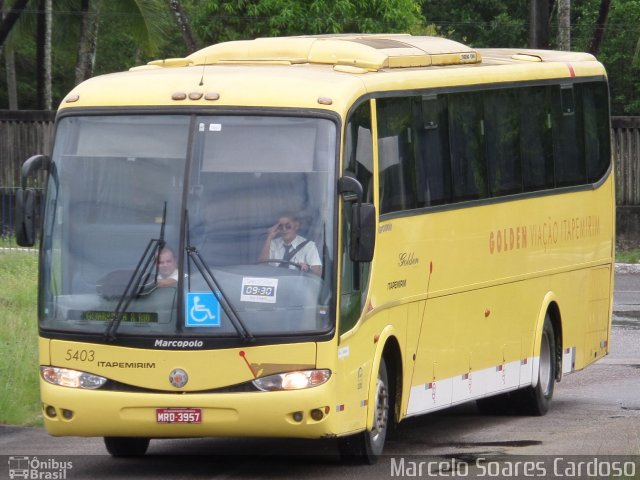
[[326, 71]]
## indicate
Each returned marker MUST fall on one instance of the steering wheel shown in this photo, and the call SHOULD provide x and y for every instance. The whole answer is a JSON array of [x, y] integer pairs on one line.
[[279, 260]]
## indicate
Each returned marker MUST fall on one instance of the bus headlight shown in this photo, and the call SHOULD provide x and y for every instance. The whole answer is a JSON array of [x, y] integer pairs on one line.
[[292, 380], [71, 378]]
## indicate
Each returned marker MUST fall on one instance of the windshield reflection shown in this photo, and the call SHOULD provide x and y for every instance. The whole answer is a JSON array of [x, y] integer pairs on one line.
[[256, 185], [247, 198]]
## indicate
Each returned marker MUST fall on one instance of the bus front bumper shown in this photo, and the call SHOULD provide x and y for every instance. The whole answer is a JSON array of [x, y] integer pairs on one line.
[[304, 413]]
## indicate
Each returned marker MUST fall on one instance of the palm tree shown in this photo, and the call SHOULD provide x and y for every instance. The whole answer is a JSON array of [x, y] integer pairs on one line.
[[601, 23], [146, 19], [183, 24], [7, 22], [10, 19], [43, 54], [88, 41], [564, 24]]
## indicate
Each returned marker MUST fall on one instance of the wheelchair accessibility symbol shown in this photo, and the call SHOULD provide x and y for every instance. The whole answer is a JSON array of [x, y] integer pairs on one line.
[[203, 310]]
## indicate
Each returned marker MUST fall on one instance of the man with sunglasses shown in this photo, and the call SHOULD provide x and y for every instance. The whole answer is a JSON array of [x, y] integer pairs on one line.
[[283, 242]]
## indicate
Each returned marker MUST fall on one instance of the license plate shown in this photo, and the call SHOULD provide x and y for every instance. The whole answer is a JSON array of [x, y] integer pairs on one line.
[[178, 415]]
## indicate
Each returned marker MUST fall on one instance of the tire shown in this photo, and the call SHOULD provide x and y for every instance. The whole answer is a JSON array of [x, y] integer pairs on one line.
[[495, 405], [126, 446], [535, 400], [367, 446]]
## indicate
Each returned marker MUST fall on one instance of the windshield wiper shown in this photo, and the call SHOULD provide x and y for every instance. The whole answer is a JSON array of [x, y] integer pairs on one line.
[[214, 286], [136, 285]]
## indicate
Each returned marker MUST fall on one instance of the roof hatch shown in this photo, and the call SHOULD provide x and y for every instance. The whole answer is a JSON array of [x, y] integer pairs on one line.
[[361, 52]]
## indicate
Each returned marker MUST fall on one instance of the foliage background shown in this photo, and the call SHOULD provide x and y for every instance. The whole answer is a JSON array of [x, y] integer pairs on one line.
[[479, 23]]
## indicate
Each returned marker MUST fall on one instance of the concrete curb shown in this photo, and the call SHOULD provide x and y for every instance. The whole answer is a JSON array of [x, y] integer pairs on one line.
[[627, 267]]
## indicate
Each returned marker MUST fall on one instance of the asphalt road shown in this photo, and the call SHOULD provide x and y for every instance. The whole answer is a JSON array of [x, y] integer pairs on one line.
[[595, 413]]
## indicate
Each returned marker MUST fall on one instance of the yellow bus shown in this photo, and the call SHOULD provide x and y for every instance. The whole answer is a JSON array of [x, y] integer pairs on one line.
[[449, 215]]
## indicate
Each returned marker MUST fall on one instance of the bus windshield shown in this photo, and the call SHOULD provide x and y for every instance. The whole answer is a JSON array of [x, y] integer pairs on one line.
[[180, 225]]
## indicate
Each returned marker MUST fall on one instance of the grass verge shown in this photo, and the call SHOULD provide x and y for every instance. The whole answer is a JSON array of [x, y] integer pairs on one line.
[[628, 256], [19, 401]]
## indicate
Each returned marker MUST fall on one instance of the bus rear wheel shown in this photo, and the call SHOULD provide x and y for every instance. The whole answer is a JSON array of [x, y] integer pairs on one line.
[[126, 446], [367, 446], [535, 400]]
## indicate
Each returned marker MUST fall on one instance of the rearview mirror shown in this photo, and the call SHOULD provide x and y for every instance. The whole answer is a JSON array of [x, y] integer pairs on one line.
[[363, 221], [26, 202], [25, 217], [363, 232]]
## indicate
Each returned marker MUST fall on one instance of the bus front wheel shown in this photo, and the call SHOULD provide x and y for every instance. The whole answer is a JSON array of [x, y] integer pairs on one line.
[[367, 446], [126, 446], [535, 400]]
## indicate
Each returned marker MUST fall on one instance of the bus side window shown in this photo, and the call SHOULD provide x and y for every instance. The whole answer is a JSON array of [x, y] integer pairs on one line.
[[396, 154], [536, 148], [568, 137], [502, 139], [466, 134], [358, 155], [596, 129], [358, 162], [433, 167]]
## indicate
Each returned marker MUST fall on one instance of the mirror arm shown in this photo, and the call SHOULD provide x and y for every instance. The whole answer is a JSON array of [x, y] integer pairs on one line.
[[349, 184], [32, 165]]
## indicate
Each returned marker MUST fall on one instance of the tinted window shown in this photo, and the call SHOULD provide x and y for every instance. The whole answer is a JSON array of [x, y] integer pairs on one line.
[[468, 166], [396, 156], [596, 129], [568, 138], [447, 148], [502, 135], [358, 162], [434, 162], [535, 138], [359, 149]]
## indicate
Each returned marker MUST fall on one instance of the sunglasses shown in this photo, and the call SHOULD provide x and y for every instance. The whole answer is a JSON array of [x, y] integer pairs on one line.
[[285, 226]]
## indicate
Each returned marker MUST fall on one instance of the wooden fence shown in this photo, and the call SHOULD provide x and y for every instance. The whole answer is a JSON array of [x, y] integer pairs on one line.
[[626, 150], [25, 133]]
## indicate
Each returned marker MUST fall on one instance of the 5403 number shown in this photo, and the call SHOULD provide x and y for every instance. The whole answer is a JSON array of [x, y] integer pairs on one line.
[[80, 355]]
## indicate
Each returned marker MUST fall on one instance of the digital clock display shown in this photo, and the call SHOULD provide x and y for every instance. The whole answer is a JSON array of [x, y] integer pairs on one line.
[[259, 290]]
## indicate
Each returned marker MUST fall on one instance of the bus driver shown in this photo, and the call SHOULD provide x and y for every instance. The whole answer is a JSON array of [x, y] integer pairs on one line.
[[283, 242]]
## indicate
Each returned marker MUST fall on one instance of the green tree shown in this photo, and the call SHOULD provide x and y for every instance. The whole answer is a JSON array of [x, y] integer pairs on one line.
[[619, 43], [220, 20], [184, 25], [146, 20], [482, 23], [140, 29], [125, 33]]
